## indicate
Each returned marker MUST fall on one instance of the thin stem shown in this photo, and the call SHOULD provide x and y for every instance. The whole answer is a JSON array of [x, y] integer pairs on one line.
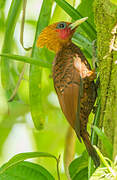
[[22, 26], [58, 173], [18, 84]]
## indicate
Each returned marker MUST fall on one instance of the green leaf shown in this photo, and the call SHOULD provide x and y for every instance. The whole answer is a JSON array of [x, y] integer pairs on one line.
[[86, 26], [13, 15], [62, 14], [86, 9], [69, 9], [35, 75], [26, 171], [23, 156], [2, 3], [79, 167], [2, 20], [82, 174], [107, 145], [27, 60], [82, 42]]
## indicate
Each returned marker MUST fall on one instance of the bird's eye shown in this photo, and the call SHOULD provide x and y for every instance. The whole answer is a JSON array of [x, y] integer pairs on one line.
[[61, 25]]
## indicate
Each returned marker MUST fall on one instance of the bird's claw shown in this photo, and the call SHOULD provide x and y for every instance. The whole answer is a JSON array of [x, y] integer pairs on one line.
[[91, 75]]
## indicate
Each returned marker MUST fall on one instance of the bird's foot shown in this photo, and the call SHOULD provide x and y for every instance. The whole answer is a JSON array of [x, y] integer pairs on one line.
[[91, 75]]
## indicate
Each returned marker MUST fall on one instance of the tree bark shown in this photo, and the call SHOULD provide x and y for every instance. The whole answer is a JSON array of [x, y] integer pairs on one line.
[[106, 25]]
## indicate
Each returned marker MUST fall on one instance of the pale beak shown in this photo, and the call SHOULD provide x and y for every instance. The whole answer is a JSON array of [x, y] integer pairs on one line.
[[76, 23]]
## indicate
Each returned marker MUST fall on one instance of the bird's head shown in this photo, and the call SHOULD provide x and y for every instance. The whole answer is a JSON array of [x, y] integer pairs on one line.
[[55, 36]]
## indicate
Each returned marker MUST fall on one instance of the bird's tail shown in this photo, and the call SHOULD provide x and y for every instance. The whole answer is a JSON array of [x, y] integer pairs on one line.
[[91, 151]]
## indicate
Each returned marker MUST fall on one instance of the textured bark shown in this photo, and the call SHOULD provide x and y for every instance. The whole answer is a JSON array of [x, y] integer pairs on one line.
[[106, 25]]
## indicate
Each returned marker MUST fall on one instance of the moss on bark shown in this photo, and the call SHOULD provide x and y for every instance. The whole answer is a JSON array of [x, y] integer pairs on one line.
[[106, 20]]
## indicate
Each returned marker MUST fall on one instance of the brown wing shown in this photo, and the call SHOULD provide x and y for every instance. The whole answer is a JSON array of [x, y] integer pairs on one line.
[[69, 100]]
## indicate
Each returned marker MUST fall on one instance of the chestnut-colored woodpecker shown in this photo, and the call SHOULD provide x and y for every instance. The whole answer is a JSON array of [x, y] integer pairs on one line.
[[73, 78]]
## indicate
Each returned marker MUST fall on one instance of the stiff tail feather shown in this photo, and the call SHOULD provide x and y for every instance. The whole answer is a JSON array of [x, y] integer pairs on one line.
[[91, 151]]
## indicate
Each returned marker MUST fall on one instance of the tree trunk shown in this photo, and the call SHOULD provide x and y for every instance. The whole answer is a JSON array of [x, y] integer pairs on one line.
[[106, 25]]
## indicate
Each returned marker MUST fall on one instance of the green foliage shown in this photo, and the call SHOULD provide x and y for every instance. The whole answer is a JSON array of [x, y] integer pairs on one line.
[[26, 170], [86, 9], [2, 3], [114, 1], [35, 90], [78, 169], [108, 172], [25, 59], [23, 156], [14, 168], [83, 42], [107, 145], [11, 21]]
